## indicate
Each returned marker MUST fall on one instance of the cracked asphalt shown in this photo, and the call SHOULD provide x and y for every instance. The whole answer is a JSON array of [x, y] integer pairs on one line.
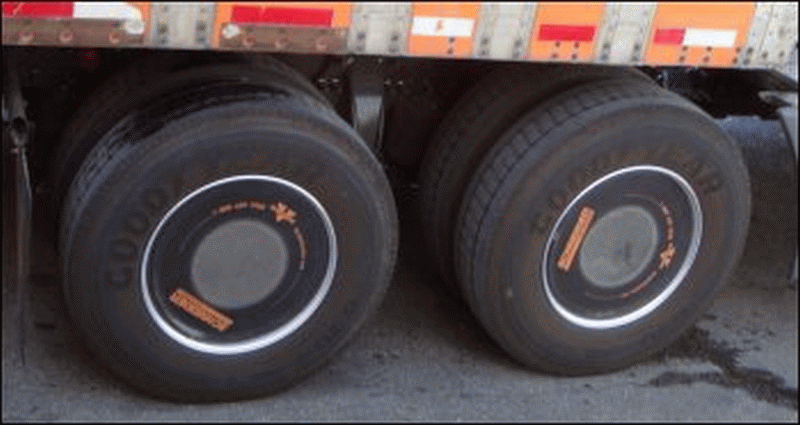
[[424, 357]]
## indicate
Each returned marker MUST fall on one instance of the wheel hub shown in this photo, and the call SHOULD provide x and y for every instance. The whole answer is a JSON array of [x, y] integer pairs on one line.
[[619, 246], [622, 247], [239, 264]]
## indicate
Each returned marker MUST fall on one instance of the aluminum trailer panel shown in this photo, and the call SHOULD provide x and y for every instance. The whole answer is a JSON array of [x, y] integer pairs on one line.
[[759, 35]]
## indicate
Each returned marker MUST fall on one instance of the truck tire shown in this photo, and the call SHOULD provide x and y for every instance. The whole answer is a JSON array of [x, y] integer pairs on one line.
[[471, 128], [600, 226], [226, 241], [140, 84]]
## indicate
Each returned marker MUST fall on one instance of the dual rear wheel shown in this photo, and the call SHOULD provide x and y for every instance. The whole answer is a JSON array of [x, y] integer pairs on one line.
[[224, 233], [596, 226], [225, 237]]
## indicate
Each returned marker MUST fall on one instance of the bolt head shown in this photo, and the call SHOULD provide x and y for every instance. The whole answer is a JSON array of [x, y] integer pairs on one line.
[[134, 26], [230, 31], [65, 36]]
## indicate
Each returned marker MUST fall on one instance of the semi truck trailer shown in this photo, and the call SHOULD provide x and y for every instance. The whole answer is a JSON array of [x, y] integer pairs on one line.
[[221, 177]]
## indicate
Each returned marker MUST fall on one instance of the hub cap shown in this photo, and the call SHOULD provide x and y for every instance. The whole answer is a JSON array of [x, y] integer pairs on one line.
[[622, 247], [238, 264], [619, 246]]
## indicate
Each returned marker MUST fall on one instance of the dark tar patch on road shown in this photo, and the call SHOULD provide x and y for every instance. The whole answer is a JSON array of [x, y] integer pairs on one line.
[[695, 344]]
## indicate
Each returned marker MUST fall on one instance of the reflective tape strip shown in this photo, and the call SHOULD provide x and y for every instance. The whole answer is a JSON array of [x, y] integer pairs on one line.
[[442, 27], [38, 9], [669, 36], [567, 32], [106, 10], [695, 37], [282, 16], [709, 37]]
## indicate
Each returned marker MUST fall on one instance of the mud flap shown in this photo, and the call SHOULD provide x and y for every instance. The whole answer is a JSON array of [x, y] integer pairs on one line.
[[788, 118], [15, 139]]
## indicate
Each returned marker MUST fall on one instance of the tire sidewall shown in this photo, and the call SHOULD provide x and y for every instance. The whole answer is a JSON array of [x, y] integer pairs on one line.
[[190, 153], [553, 173], [117, 98], [444, 183]]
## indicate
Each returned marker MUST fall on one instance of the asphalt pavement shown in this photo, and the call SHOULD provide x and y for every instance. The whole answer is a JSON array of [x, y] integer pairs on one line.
[[423, 357]]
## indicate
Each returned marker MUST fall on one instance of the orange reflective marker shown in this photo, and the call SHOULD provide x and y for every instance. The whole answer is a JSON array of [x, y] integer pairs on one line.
[[708, 34], [665, 258], [575, 239], [281, 14], [200, 310], [443, 29], [283, 213], [566, 31]]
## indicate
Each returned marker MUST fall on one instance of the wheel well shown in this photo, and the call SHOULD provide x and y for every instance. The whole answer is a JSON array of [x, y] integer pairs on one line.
[[723, 92], [56, 81], [417, 91]]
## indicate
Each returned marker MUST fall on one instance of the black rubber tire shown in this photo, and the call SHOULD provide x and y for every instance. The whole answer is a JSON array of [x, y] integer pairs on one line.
[[531, 177], [140, 84], [155, 157], [472, 127]]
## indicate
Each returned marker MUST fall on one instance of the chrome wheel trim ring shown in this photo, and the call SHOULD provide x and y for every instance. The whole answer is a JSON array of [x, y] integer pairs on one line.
[[652, 305], [272, 337]]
